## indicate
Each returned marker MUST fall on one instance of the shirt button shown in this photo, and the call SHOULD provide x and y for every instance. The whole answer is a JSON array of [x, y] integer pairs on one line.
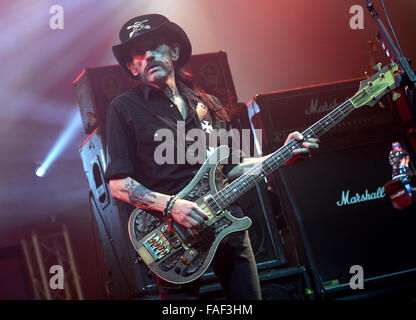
[[171, 105]]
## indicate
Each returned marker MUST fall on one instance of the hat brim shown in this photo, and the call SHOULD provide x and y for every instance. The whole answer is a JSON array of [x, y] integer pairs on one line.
[[169, 29]]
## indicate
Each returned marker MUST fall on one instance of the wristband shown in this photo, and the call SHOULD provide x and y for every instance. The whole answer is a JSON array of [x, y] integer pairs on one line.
[[168, 206]]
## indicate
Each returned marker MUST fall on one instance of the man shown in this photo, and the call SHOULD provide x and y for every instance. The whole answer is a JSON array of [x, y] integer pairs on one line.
[[153, 50]]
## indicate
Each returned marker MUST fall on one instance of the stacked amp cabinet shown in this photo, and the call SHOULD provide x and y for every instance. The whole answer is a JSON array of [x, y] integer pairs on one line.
[[339, 222], [123, 274]]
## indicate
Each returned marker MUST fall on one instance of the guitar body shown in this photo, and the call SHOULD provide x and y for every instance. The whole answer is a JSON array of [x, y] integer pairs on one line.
[[181, 255]]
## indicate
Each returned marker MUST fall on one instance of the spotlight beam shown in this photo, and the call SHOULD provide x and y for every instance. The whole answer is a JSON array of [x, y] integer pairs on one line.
[[73, 126]]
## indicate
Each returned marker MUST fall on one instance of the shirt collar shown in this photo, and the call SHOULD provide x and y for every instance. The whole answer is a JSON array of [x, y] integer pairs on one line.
[[148, 90], [186, 92]]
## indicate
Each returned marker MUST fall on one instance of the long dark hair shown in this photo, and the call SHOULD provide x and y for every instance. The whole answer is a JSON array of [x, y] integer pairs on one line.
[[210, 101]]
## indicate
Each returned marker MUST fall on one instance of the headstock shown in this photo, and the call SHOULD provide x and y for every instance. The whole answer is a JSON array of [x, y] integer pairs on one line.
[[375, 87]]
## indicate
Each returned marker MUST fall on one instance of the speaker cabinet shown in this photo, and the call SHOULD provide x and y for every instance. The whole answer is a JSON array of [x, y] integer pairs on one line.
[[263, 233], [279, 113], [334, 211], [124, 278], [341, 216]]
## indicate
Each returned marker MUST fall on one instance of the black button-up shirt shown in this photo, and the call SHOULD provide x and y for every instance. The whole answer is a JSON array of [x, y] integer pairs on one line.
[[132, 124]]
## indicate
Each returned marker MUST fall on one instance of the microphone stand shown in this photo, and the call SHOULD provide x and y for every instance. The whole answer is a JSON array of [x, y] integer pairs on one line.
[[395, 188], [408, 75]]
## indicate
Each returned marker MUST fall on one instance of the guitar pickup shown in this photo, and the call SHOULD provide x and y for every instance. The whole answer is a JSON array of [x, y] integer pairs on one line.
[[212, 205], [183, 233], [172, 238]]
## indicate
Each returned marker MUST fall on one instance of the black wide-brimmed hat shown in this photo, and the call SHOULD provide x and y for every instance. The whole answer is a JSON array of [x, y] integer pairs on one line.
[[150, 25]]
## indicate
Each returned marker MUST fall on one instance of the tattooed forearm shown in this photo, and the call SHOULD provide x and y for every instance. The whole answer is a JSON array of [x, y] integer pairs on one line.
[[131, 191], [138, 194]]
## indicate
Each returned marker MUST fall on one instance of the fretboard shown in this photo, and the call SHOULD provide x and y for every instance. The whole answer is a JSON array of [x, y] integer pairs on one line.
[[238, 187]]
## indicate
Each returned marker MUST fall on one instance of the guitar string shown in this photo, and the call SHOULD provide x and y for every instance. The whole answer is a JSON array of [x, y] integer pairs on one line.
[[317, 129], [224, 196]]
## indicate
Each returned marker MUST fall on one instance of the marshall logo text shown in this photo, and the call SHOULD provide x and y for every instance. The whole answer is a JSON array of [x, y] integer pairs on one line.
[[346, 199], [325, 107]]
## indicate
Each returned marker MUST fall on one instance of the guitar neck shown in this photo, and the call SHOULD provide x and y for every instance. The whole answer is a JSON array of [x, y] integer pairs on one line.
[[238, 187]]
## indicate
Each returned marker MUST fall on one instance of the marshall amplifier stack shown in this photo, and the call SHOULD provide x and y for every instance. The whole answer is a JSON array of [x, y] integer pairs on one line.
[[337, 218], [291, 110]]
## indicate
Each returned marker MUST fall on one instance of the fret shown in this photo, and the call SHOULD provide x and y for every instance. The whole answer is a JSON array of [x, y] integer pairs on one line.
[[329, 116], [239, 186], [311, 130], [267, 164]]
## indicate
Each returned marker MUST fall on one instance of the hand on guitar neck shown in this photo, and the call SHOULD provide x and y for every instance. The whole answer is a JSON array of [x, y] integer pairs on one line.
[[300, 153]]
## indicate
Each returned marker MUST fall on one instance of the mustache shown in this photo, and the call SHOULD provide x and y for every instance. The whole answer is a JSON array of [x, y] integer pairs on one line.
[[152, 64]]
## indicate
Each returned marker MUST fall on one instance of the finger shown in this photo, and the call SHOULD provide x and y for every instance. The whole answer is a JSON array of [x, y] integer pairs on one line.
[[298, 136], [294, 135], [195, 216], [201, 213], [183, 222], [309, 145], [191, 221], [313, 140], [187, 225], [300, 151]]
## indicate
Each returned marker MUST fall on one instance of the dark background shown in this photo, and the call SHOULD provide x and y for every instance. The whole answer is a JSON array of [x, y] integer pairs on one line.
[[271, 45]]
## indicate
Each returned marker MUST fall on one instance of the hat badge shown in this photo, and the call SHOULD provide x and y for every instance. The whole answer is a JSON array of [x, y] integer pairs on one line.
[[137, 26]]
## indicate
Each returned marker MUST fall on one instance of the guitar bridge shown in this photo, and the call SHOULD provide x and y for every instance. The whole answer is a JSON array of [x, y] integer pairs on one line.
[[157, 245]]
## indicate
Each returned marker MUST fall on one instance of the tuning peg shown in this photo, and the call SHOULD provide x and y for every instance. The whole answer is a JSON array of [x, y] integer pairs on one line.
[[396, 96], [377, 67]]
